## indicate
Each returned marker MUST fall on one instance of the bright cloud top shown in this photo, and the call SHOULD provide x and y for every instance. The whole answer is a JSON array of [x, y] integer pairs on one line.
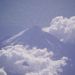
[[19, 60], [62, 27]]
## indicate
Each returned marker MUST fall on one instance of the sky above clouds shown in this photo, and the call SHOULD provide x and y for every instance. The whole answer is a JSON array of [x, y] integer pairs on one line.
[[15, 15], [26, 12]]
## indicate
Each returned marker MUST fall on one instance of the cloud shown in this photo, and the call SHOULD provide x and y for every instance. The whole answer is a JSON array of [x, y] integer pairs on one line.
[[19, 60], [2, 72], [62, 27]]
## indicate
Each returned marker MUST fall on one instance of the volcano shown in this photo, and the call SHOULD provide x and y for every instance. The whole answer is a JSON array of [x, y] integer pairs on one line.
[[35, 37]]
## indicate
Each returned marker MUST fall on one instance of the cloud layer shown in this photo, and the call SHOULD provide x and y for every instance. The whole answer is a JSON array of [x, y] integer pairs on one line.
[[62, 27], [19, 60]]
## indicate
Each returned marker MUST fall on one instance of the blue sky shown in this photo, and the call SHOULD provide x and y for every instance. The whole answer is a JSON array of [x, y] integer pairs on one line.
[[15, 15]]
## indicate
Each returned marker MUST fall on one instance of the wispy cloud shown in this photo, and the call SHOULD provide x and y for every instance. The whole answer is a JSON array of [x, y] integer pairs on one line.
[[20, 60]]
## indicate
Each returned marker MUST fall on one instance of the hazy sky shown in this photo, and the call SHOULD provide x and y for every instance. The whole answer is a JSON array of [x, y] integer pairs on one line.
[[17, 14]]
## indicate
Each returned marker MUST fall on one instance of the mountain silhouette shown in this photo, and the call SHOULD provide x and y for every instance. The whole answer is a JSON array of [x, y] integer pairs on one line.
[[35, 37]]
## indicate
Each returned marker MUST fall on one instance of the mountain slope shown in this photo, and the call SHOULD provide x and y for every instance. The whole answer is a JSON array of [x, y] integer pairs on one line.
[[35, 37]]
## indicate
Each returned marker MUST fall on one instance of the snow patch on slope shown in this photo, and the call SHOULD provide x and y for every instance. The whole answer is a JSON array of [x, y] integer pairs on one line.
[[17, 35]]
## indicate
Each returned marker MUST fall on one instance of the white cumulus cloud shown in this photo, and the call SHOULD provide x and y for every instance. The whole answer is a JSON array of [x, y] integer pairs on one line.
[[62, 27], [19, 60]]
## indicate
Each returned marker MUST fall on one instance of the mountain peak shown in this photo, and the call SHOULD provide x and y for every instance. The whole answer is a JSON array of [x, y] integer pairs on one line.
[[34, 37], [35, 28]]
